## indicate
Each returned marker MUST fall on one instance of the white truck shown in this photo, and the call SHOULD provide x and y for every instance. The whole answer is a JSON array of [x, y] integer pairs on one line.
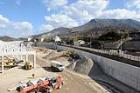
[[57, 66]]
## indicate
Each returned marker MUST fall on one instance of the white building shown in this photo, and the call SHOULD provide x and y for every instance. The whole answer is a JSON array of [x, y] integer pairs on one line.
[[42, 39], [29, 39], [57, 39], [79, 43]]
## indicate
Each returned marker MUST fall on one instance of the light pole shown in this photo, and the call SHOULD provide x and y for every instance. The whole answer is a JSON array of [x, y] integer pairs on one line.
[[120, 48], [91, 35], [90, 41]]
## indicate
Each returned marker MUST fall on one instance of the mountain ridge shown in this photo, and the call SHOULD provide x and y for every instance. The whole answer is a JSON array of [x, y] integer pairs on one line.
[[94, 25]]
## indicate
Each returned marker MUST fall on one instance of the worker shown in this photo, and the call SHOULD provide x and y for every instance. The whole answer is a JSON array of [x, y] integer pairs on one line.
[[33, 75]]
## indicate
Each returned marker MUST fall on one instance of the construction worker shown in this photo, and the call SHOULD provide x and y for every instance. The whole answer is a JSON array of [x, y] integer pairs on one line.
[[33, 75]]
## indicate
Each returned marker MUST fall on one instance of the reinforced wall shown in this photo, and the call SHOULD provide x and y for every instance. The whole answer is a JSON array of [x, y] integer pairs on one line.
[[128, 74]]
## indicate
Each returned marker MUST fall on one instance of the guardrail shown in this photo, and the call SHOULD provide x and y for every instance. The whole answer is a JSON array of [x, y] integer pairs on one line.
[[112, 52]]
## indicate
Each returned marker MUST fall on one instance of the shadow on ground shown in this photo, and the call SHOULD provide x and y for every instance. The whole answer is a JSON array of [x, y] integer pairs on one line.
[[97, 74]]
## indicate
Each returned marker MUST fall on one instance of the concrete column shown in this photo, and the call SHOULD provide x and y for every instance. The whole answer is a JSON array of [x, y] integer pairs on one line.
[[21, 58], [2, 65], [26, 58], [34, 61]]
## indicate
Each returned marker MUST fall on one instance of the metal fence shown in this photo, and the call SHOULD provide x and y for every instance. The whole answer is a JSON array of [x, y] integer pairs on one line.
[[113, 52], [109, 52]]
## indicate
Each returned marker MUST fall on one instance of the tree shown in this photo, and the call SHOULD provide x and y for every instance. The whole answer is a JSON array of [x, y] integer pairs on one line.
[[110, 36]]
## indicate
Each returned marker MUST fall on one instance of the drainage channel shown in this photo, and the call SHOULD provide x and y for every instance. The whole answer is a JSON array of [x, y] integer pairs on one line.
[[109, 87]]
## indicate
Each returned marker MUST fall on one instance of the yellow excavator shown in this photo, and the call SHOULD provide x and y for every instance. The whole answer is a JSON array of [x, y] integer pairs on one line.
[[11, 62]]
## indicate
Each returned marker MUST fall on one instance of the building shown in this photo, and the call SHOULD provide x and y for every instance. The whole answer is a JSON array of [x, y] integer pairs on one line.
[[17, 50]]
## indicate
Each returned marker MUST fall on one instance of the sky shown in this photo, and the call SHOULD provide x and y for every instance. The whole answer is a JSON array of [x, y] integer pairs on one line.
[[22, 18]]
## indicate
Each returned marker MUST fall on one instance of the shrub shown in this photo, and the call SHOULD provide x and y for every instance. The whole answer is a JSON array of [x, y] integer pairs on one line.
[[95, 44], [72, 54], [110, 36]]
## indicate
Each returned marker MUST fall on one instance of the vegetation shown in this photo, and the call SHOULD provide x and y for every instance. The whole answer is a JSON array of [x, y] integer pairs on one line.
[[113, 36], [48, 40], [69, 41], [72, 55], [125, 35], [84, 38], [95, 44], [7, 38]]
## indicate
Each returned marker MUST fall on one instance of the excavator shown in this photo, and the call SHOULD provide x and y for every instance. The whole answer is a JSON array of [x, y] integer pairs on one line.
[[11, 61], [42, 85]]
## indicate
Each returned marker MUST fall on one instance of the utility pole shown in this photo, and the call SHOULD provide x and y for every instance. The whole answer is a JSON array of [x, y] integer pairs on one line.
[[90, 39], [120, 50]]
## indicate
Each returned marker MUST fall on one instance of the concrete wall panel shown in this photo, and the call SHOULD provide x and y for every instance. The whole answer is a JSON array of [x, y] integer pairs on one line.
[[128, 74]]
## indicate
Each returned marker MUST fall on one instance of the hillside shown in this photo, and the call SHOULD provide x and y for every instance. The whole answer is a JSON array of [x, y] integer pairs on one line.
[[62, 31], [7, 38], [101, 23], [98, 26]]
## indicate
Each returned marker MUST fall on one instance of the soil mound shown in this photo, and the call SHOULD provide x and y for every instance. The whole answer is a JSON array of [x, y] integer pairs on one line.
[[82, 66]]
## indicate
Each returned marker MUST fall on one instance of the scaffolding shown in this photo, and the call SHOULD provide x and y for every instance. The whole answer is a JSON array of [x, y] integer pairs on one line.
[[16, 49]]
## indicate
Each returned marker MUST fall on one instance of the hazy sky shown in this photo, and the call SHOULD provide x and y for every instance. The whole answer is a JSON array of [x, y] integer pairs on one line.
[[27, 17]]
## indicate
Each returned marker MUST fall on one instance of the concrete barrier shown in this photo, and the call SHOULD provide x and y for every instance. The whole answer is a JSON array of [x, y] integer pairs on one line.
[[128, 74]]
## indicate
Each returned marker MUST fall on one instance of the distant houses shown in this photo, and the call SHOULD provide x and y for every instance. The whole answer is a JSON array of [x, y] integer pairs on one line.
[[79, 42]]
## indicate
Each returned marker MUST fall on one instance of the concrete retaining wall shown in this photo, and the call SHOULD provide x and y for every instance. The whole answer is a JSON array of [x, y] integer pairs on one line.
[[128, 74], [132, 45]]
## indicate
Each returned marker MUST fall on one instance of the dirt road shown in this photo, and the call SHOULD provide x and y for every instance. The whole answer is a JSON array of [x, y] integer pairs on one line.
[[73, 82]]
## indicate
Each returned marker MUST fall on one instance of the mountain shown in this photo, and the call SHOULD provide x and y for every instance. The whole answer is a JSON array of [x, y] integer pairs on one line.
[[100, 26], [102, 23], [7, 38], [62, 31]]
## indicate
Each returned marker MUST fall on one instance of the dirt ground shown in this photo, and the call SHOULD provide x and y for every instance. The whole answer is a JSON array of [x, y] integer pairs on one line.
[[73, 82]]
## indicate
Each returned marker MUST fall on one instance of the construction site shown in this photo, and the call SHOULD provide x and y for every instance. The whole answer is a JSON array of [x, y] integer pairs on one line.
[[27, 69]]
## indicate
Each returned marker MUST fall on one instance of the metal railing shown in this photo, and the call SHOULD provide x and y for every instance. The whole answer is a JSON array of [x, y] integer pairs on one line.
[[112, 52]]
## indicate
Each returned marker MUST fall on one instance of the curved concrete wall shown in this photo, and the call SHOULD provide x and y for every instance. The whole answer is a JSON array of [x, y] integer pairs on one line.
[[128, 74], [134, 45], [125, 73]]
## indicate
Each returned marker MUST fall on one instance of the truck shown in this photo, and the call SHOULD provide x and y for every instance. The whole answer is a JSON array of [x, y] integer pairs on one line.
[[57, 66]]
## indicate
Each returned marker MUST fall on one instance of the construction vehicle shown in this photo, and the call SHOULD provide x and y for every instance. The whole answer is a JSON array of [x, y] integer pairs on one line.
[[57, 66], [27, 66], [11, 62], [42, 85]]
